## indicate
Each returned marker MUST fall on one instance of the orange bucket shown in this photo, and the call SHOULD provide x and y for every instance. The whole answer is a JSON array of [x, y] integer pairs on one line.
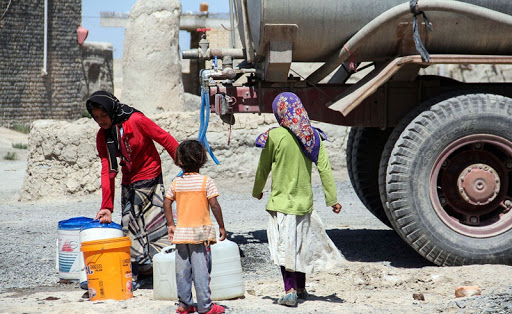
[[108, 267]]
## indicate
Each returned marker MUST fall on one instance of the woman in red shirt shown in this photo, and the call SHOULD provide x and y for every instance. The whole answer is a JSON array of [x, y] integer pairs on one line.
[[128, 134]]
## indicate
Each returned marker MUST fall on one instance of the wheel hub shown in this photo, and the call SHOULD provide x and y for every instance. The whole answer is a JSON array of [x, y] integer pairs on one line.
[[478, 184], [470, 181]]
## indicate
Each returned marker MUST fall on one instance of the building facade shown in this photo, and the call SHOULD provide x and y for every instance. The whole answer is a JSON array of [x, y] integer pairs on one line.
[[42, 68]]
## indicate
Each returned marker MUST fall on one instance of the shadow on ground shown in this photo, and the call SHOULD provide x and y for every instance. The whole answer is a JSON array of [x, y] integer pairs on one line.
[[362, 245], [332, 298], [365, 245]]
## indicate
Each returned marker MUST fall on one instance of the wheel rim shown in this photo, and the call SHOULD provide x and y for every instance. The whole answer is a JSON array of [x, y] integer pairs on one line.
[[470, 185]]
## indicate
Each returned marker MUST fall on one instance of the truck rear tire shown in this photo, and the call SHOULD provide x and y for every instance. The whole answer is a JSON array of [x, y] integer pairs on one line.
[[449, 181], [364, 147]]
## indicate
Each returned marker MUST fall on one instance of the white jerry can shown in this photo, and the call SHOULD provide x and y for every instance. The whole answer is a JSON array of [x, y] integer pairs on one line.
[[226, 276], [164, 274]]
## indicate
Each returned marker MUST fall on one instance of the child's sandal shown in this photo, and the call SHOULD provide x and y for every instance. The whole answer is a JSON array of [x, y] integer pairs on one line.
[[216, 309], [190, 309]]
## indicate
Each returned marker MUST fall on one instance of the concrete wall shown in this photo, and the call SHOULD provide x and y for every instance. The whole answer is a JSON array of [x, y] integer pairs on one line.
[[151, 62], [27, 93]]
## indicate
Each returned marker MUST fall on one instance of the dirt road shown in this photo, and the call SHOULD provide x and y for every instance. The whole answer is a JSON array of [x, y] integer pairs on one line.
[[381, 273]]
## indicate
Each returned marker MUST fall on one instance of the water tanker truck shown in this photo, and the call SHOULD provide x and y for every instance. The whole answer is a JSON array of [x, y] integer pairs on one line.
[[428, 155]]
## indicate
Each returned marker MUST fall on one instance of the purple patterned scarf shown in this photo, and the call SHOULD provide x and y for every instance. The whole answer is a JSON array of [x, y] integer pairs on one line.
[[291, 114]]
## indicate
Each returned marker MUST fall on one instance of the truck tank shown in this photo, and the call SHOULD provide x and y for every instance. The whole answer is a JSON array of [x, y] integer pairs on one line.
[[429, 156], [323, 27]]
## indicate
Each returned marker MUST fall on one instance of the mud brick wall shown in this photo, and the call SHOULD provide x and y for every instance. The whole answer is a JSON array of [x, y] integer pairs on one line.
[[63, 160], [26, 93], [97, 66]]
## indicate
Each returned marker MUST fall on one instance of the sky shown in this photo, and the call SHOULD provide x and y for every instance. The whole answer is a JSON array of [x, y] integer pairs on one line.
[[91, 19]]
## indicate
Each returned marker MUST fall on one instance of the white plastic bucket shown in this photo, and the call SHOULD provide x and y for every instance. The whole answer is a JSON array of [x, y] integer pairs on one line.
[[226, 276], [94, 231], [68, 247], [164, 274]]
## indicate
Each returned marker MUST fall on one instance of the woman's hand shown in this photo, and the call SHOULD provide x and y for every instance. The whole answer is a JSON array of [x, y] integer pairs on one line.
[[261, 195], [104, 215], [336, 208]]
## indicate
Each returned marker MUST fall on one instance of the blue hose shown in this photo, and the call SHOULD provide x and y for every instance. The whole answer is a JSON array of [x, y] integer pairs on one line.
[[205, 117], [203, 126]]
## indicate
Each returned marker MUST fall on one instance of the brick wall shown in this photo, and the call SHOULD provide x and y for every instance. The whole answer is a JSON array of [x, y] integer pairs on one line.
[[218, 38], [26, 94]]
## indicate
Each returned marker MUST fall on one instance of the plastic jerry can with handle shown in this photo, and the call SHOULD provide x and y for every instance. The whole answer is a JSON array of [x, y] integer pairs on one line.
[[164, 274], [226, 276]]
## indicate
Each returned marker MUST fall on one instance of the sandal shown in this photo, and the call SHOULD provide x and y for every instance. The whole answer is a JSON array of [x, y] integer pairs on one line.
[[190, 309], [289, 299], [216, 309], [135, 285]]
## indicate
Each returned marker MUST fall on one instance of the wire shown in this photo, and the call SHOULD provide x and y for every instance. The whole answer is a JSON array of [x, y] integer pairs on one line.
[[6, 9]]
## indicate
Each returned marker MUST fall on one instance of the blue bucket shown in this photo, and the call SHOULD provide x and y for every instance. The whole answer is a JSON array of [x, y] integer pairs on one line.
[[68, 247], [97, 224]]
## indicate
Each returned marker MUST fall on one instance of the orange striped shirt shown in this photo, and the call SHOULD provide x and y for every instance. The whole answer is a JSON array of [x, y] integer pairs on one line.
[[191, 193], [192, 182]]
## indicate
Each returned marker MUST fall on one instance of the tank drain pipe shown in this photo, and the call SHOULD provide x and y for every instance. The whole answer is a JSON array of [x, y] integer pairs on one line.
[[210, 53], [395, 13], [45, 44]]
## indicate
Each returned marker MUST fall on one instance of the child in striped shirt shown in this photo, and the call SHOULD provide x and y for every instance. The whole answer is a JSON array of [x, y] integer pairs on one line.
[[194, 194]]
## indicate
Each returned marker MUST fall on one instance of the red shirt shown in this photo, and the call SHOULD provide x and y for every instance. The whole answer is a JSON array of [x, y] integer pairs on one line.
[[142, 159]]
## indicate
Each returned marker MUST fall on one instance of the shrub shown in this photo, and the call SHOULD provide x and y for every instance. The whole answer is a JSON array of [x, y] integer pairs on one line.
[[10, 156], [86, 114], [21, 128], [19, 146]]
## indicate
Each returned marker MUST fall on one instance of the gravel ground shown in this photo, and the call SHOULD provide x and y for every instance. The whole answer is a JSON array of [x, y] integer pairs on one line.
[[380, 276], [28, 256]]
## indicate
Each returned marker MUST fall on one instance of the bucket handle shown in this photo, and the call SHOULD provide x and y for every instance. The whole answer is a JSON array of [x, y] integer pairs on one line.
[[97, 220], [97, 255]]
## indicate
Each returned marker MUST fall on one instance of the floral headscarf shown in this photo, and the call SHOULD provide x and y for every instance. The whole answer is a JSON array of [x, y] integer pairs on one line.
[[291, 114]]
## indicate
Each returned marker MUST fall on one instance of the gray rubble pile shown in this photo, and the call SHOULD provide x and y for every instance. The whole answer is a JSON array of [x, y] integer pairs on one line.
[[497, 302]]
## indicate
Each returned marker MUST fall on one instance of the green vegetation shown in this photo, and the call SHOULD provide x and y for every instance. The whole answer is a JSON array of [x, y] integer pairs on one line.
[[21, 128], [19, 146], [10, 156], [86, 114]]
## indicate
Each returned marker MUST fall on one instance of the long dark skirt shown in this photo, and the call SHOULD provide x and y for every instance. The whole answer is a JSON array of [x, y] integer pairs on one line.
[[144, 219]]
